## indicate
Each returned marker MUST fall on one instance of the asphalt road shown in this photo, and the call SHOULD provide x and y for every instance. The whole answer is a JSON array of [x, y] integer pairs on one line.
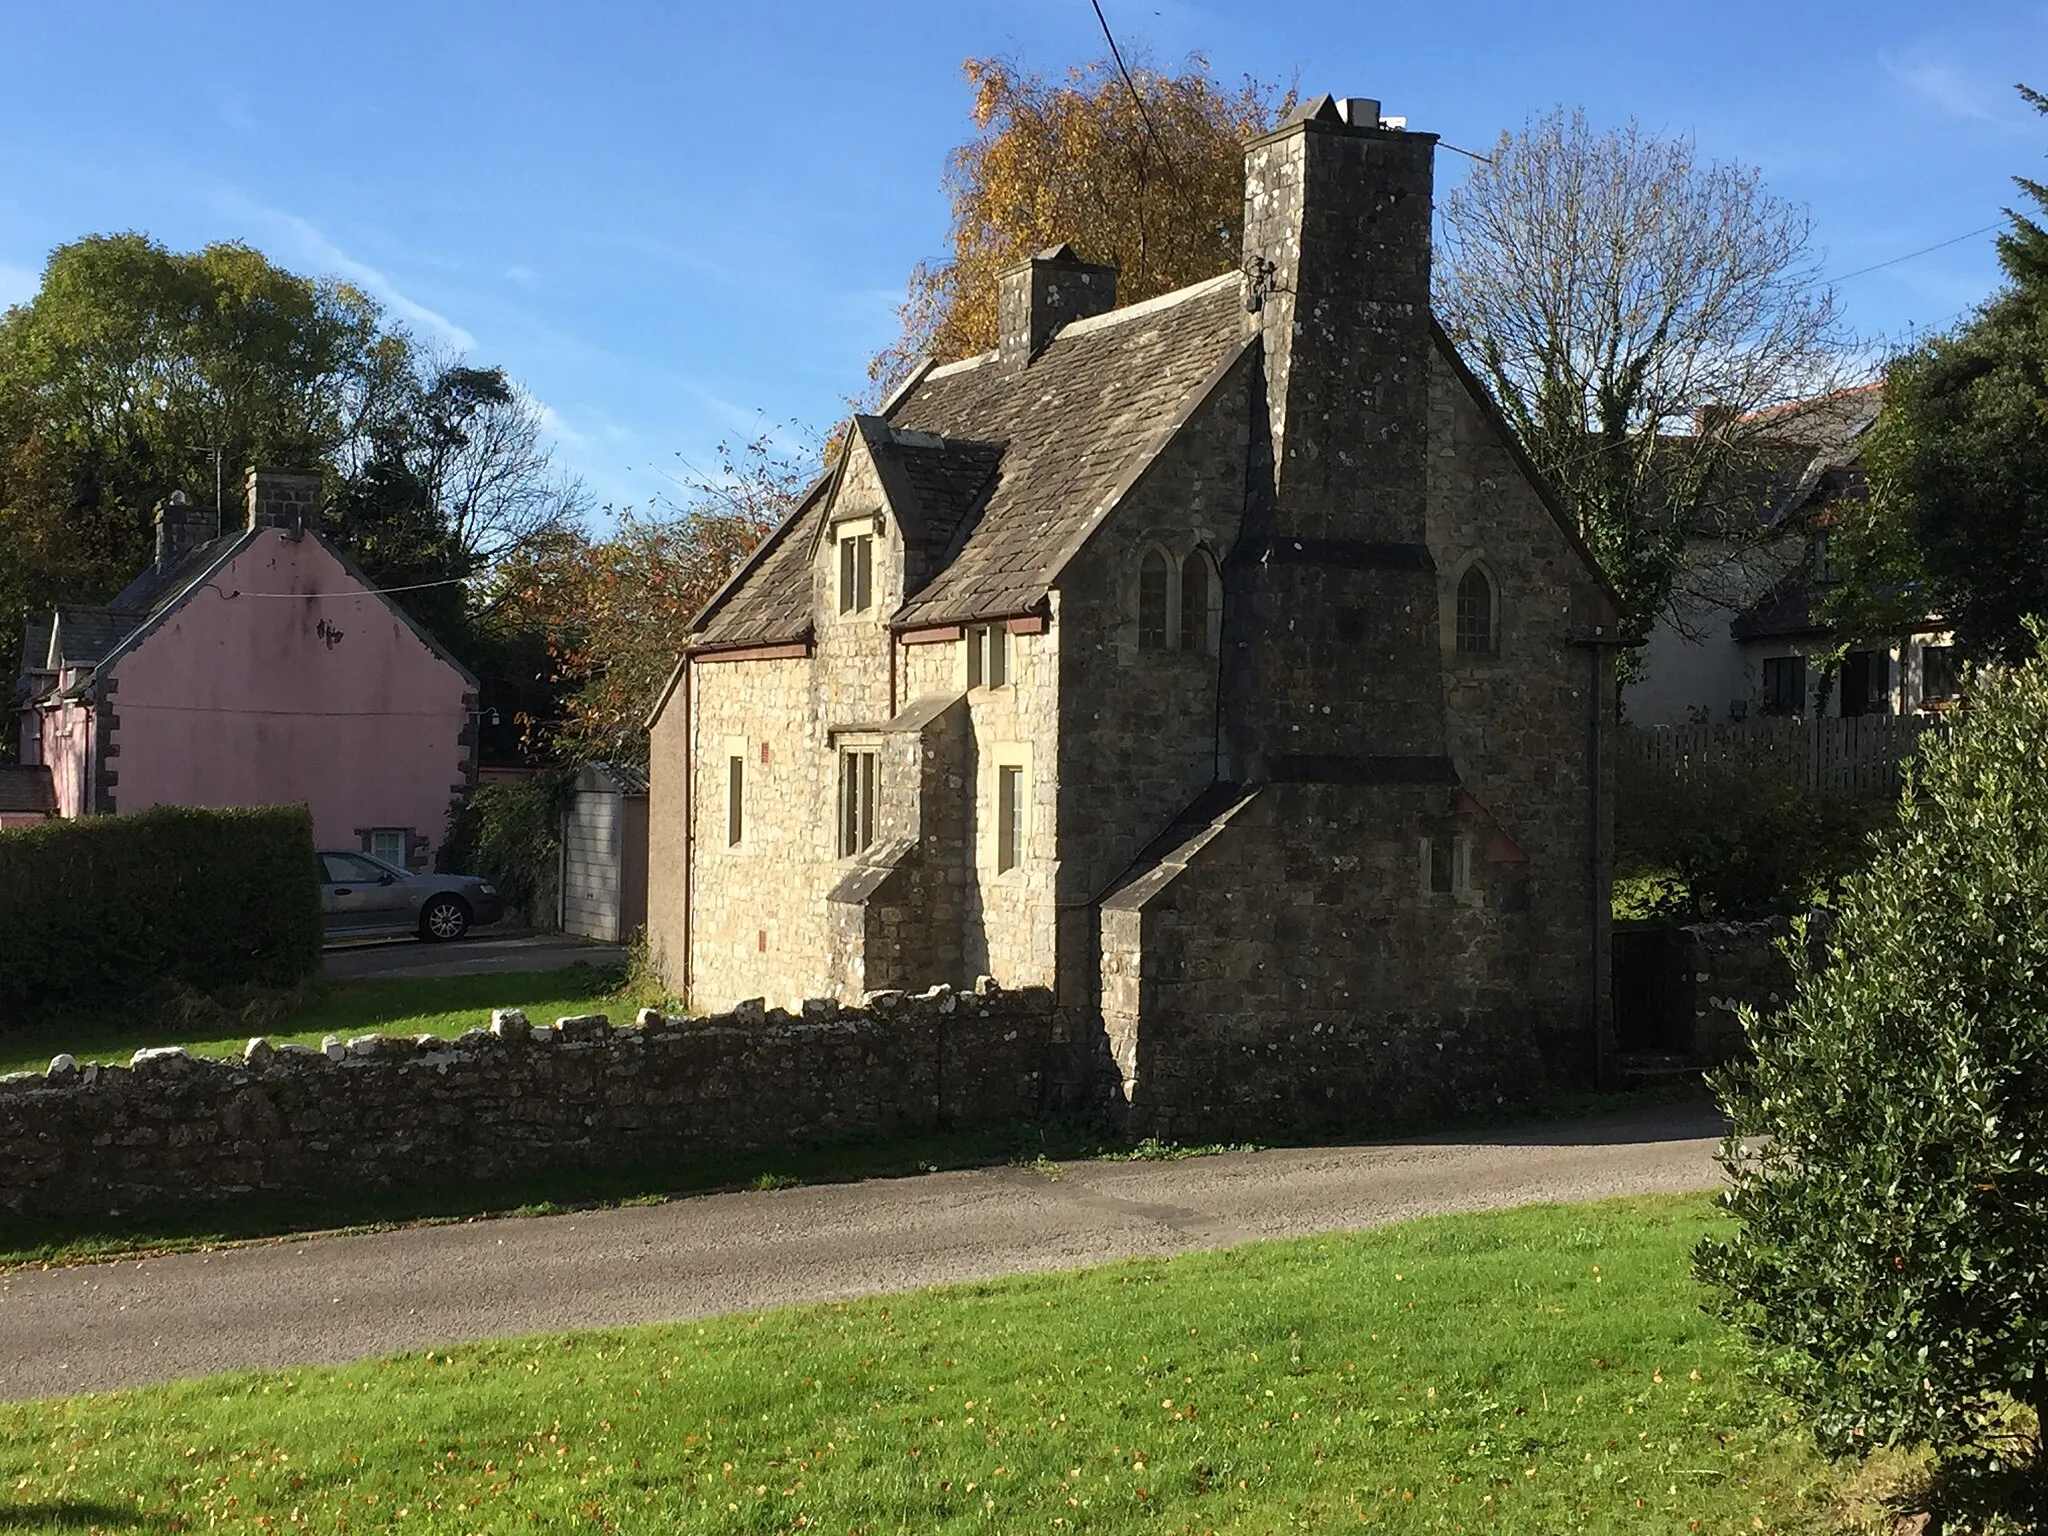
[[483, 953], [333, 1299]]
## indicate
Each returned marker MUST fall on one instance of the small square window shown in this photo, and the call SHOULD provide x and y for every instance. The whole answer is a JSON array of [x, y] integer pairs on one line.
[[392, 845]]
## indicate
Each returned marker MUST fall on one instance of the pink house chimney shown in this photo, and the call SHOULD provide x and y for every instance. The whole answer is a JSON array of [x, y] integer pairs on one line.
[[284, 498]]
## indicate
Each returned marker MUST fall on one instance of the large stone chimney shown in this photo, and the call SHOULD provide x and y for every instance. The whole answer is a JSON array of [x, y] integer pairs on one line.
[[182, 528], [284, 498], [1038, 296], [1335, 669]]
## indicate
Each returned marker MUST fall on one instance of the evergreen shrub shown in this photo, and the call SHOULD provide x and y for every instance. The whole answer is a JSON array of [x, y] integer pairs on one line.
[[129, 909], [1889, 1154]]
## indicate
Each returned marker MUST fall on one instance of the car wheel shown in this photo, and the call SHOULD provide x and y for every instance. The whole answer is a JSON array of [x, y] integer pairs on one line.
[[444, 918]]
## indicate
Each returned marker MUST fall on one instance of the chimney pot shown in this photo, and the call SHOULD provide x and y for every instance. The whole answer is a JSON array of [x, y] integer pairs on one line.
[[1360, 111], [1036, 297], [284, 498]]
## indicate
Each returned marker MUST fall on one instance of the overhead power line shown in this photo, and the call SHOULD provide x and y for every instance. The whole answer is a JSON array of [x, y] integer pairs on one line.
[[1924, 250], [1137, 96]]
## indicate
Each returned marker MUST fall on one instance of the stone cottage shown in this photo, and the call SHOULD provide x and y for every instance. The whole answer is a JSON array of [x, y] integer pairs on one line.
[[253, 666], [1217, 662]]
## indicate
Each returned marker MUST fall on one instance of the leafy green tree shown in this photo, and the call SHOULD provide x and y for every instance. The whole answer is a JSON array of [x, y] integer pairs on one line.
[[134, 370], [1957, 521], [1888, 1163]]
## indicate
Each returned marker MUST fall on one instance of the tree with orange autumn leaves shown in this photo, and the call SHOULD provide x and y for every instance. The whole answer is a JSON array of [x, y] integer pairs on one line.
[[1145, 171], [615, 609]]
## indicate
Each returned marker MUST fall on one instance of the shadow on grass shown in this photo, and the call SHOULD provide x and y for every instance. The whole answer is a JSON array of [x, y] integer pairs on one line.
[[69, 1515]]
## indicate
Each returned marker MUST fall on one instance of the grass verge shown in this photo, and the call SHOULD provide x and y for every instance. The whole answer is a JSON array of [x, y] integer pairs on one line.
[[1536, 1371], [397, 1005]]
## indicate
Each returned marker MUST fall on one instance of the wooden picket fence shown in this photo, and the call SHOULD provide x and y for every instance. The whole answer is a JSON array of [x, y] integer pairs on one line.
[[1862, 755]]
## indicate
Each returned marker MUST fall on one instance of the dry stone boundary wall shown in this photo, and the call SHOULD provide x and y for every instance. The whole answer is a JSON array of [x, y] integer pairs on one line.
[[382, 1111]]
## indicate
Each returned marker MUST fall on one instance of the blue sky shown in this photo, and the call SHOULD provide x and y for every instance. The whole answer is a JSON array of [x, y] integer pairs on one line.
[[678, 223]]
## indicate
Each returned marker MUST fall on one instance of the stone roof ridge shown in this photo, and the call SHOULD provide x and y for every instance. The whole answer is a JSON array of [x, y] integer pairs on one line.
[[959, 365], [1147, 307]]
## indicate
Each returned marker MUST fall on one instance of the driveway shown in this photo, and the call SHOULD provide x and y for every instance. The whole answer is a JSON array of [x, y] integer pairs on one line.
[[482, 953], [334, 1299]]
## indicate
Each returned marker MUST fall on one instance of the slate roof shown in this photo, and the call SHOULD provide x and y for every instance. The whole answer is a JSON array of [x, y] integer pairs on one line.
[[768, 600], [27, 788], [1023, 463], [82, 636], [1088, 408], [946, 477]]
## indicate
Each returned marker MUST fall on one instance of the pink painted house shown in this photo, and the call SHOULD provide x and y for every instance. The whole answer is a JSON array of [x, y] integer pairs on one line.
[[253, 667]]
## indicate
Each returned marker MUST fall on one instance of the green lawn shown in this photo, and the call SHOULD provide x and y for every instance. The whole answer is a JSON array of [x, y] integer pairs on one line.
[[439, 1005], [1539, 1371]]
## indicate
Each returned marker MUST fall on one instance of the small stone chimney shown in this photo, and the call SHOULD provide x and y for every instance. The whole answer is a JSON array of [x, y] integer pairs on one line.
[[284, 498], [1036, 297], [182, 528]]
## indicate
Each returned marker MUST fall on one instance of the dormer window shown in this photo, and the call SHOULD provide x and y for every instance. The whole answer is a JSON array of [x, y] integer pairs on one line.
[[857, 571], [988, 655]]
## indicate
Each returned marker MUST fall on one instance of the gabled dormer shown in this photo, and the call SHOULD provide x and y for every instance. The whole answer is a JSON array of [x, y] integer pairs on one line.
[[898, 505]]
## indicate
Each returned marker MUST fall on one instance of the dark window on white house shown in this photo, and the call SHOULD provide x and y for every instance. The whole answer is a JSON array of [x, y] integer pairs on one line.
[[1867, 683], [1784, 685], [1941, 678], [856, 802], [856, 573], [1009, 817], [1154, 577], [735, 800], [1475, 614]]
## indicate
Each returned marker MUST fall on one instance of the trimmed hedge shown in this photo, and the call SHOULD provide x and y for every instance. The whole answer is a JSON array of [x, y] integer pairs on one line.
[[126, 909]]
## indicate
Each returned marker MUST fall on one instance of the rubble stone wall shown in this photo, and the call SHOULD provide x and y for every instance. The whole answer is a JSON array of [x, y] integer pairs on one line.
[[1721, 967], [379, 1111]]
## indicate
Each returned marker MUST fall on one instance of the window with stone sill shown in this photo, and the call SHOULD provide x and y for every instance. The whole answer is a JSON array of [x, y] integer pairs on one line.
[[988, 655], [1446, 866], [856, 802], [1010, 811], [856, 573]]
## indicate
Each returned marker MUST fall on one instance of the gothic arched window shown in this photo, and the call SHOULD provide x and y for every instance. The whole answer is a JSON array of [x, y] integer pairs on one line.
[[1154, 577], [1197, 597], [1475, 613]]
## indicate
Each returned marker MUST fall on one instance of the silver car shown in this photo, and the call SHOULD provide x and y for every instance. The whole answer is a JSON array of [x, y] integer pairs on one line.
[[362, 895]]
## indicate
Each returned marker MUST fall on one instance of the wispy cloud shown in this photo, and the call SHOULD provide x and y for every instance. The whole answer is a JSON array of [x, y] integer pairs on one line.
[[18, 285], [525, 277], [1950, 89], [317, 250]]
